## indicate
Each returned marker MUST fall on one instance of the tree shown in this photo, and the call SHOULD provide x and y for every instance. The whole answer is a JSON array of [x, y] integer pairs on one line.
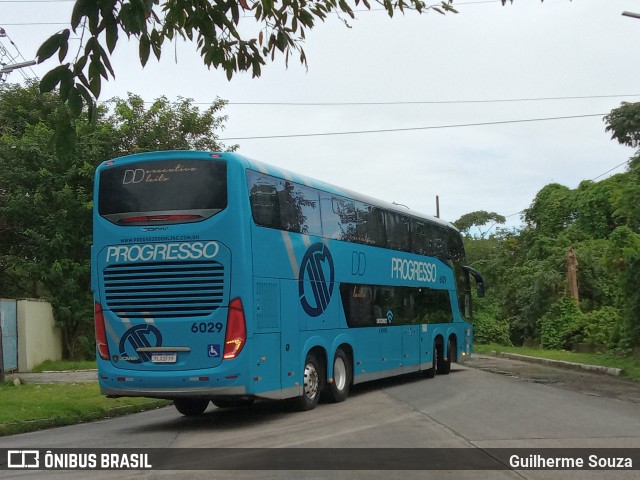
[[552, 210], [624, 124], [278, 29], [478, 219], [46, 196]]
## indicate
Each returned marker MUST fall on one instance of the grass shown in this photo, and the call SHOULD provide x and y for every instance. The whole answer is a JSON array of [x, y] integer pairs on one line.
[[29, 407], [630, 365], [62, 365]]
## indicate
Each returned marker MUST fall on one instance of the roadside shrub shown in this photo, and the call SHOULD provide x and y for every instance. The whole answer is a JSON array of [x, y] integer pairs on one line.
[[601, 326], [562, 325], [487, 326]]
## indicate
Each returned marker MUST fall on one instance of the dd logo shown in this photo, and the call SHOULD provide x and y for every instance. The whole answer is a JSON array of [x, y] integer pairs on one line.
[[133, 176], [315, 283], [138, 337]]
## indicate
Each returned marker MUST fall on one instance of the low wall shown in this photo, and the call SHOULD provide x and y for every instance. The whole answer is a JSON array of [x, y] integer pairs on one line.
[[39, 338]]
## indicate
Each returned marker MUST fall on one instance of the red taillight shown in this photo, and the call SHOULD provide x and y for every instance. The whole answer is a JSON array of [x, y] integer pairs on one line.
[[101, 334], [236, 330], [160, 218]]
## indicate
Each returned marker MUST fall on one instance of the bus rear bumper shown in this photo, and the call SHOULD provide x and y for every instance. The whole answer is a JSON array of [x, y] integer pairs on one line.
[[170, 394], [208, 383]]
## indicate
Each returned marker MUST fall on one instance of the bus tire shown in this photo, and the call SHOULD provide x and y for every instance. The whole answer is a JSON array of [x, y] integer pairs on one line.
[[338, 390], [431, 372], [191, 407], [314, 380], [444, 365]]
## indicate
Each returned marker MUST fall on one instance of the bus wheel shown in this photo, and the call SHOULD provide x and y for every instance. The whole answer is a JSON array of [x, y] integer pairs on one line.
[[444, 366], [431, 372], [191, 407], [314, 379], [338, 390]]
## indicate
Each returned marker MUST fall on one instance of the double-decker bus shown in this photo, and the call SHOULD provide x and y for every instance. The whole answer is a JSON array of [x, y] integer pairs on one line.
[[219, 278]]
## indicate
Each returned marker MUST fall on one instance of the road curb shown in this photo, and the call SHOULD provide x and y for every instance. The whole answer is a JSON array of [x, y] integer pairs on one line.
[[615, 372]]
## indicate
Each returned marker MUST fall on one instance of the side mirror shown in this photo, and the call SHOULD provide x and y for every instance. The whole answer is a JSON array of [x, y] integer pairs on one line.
[[478, 279]]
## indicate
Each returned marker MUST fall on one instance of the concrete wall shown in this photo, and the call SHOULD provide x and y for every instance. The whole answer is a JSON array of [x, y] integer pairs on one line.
[[38, 337]]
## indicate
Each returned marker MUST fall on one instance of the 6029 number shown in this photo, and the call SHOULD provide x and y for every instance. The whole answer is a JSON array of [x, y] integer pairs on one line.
[[208, 327]]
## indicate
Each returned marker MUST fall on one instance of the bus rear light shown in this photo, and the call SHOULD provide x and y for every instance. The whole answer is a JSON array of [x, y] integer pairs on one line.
[[236, 335], [101, 334], [160, 218]]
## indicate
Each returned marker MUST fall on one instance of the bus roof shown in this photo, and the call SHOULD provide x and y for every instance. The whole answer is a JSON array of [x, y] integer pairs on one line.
[[330, 188], [286, 175]]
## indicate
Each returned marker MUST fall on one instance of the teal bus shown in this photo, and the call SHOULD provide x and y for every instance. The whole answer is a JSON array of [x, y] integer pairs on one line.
[[221, 279]]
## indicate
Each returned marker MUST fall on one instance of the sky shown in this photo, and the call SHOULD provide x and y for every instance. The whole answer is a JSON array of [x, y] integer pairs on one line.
[[461, 88]]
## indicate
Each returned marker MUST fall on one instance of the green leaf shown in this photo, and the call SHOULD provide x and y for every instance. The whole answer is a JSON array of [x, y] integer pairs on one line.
[[75, 102], [95, 81], [111, 35], [64, 45], [66, 84], [52, 78], [79, 11], [79, 65], [51, 45], [144, 49], [106, 62]]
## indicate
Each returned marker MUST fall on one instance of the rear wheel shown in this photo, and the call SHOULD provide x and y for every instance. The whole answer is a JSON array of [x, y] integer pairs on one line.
[[191, 407], [338, 389], [314, 380], [431, 372]]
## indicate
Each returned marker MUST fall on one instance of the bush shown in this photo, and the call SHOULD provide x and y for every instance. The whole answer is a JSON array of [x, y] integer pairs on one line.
[[601, 326], [562, 325], [487, 326]]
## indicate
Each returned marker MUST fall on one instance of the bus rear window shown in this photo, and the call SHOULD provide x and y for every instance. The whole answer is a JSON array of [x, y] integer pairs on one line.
[[162, 192]]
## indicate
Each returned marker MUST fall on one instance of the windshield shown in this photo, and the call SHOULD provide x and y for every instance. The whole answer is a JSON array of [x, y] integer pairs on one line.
[[162, 192]]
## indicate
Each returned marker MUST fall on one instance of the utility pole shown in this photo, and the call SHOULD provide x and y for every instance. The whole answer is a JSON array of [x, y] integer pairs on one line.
[[631, 14], [6, 69], [16, 66]]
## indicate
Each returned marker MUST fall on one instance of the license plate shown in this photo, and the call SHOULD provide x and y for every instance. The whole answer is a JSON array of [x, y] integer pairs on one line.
[[164, 357]]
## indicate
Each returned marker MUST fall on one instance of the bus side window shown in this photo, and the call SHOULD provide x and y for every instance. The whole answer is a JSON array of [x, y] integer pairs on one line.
[[263, 197], [299, 209], [419, 237], [376, 232], [357, 301], [398, 234], [338, 218]]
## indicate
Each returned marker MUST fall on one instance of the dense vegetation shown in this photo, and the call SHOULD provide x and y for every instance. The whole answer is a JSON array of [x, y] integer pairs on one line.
[[594, 230], [46, 193], [46, 202]]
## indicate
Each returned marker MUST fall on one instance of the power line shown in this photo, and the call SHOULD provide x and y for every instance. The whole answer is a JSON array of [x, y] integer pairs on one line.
[[626, 162], [409, 129], [428, 102]]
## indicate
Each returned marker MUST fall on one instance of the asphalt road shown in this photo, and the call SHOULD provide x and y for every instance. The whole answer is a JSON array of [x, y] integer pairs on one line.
[[493, 403]]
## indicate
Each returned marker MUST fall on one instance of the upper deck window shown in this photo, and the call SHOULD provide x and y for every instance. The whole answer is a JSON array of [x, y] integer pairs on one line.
[[282, 204], [162, 192]]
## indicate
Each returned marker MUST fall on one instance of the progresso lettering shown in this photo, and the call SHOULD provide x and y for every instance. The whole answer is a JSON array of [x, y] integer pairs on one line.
[[413, 270], [162, 252]]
